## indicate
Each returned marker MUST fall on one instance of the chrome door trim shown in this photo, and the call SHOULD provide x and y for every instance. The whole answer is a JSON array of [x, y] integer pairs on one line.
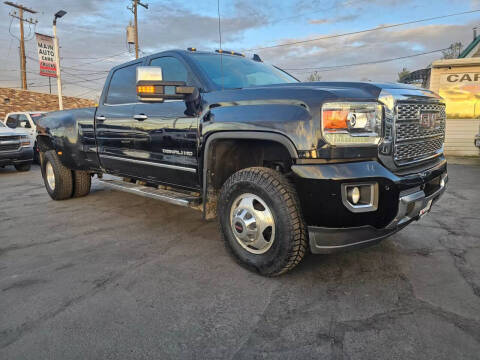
[[168, 166]]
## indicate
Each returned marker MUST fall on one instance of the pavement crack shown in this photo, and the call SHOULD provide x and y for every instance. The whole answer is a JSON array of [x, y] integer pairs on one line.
[[10, 336]]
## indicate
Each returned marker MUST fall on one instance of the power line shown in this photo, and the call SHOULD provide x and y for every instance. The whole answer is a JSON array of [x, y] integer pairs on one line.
[[335, 67], [364, 31]]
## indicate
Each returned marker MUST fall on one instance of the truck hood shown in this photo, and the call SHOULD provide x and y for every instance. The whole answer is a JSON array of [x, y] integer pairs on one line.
[[6, 131], [363, 89], [315, 93]]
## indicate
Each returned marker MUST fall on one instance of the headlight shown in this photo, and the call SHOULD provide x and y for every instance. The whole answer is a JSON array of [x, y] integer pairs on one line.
[[24, 141], [352, 123]]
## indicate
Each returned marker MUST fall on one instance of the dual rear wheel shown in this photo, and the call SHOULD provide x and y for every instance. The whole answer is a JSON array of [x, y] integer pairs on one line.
[[62, 183]]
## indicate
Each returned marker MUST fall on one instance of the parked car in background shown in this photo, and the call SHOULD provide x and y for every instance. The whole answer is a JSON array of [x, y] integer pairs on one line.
[[16, 148], [26, 120]]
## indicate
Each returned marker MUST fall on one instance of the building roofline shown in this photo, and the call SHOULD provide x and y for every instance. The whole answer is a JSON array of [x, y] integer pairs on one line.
[[469, 48]]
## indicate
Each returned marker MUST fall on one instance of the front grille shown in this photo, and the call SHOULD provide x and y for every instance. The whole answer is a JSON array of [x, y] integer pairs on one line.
[[9, 138], [9, 147], [413, 142]]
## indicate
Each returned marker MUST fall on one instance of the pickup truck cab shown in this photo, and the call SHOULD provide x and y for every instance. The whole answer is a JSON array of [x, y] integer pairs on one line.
[[16, 148], [26, 120], [284, 166]]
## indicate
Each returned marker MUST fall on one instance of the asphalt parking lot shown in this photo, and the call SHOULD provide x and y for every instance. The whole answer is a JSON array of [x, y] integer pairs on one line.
[[115, 276]]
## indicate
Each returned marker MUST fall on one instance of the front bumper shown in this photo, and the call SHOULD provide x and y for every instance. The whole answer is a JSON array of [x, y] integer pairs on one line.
[[17, 157], [407, 199]]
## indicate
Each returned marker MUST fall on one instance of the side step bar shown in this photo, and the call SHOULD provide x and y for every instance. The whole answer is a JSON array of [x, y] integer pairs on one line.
[[169, 196]]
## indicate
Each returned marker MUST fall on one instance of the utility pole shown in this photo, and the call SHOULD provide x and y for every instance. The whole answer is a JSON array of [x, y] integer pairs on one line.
[[133, 9], [19, 16]]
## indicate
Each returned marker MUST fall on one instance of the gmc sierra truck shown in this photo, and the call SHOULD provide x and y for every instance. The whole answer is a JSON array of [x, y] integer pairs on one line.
[[285, 166]]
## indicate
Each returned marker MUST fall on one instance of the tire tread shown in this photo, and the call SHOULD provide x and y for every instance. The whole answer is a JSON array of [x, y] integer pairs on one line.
[[274, 182]]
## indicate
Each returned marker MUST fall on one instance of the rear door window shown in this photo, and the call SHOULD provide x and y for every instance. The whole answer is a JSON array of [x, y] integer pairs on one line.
[[122, 87]]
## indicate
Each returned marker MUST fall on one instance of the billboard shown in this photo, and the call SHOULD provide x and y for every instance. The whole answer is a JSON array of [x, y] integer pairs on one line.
[[461, 92], [46, 55]]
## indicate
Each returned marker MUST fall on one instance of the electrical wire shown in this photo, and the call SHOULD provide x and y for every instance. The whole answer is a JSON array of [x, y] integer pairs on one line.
[[335, 67], [363, 31]]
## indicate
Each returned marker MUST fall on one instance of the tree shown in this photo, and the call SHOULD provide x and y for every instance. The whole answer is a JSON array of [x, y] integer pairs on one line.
[[403, 74], [315, 76], [453, 51]]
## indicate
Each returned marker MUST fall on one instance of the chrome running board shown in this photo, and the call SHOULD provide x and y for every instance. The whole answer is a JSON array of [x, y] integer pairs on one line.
[[169, 196]]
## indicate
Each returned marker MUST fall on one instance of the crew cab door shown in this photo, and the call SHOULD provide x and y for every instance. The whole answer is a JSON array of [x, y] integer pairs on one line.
[[166, 134], [114, 121]]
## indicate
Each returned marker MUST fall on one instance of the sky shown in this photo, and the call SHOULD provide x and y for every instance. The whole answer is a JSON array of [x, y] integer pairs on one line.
[[92, 36]]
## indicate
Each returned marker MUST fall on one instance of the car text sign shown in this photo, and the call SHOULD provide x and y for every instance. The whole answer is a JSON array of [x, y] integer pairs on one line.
[[46, 55]]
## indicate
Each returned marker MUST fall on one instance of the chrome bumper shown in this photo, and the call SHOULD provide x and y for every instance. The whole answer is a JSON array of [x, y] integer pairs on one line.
[[412, 205]]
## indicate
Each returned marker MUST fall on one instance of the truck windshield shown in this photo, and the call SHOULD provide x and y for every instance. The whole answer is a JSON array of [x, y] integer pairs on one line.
[[239, 72]]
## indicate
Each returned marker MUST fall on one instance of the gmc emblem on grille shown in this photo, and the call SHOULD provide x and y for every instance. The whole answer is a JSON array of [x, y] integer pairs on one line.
[[428, 119]]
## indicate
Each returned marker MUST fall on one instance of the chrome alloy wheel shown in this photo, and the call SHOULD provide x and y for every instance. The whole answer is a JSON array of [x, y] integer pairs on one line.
[[50, 175], [252, 223]]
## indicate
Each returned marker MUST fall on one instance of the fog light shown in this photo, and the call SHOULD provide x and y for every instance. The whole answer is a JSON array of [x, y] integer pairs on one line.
[[354, 195], [360, 197]]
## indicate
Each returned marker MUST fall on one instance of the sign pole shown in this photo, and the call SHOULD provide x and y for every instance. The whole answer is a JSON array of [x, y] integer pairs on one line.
[[57, 63]]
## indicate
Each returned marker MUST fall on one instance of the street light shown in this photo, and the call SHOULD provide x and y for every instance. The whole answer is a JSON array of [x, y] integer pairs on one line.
[[58, 14]]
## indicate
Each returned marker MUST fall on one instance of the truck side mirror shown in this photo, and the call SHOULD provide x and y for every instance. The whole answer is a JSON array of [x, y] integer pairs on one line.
[[152, 88]]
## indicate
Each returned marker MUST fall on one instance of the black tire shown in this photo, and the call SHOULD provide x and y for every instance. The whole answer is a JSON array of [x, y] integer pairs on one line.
[[82, 182], [63, 188], [23, 167], [290, 242]]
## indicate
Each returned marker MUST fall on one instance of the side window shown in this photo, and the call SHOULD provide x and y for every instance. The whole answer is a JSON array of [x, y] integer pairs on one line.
[[23, 121], [172, 68], [11, 121], [121, 89]]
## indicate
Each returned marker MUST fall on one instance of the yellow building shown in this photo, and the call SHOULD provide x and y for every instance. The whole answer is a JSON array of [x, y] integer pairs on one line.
[[458, 82]]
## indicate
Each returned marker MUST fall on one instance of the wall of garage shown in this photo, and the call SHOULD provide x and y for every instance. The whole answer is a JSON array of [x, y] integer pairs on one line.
[[12, 100]]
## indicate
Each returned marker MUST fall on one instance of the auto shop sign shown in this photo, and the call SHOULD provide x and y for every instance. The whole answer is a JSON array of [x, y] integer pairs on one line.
[[46, 55]]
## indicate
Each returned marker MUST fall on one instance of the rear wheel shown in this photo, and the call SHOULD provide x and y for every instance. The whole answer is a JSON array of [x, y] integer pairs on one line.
[[57, 178], [23, 167], [261, 222], [82, 182]]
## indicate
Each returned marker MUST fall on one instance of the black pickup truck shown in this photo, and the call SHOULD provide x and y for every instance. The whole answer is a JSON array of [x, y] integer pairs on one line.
[[285, 166]]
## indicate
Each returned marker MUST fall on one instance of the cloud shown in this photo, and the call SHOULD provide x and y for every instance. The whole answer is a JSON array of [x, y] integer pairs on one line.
[[96, 29], [365, 47], [334, 20]]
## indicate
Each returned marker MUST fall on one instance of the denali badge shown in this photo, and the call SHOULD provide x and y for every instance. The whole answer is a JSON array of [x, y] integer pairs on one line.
[[177, 152], [428, 119]]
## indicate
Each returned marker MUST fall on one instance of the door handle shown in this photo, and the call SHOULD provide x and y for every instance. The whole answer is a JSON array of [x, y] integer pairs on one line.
[[100, 118], [140, 117]]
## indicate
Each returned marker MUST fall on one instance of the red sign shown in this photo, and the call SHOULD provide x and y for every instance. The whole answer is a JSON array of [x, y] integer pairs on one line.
[[46, 55]]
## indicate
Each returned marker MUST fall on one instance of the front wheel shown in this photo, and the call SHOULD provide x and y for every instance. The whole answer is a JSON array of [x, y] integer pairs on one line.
[[57, 178], [261, 222]]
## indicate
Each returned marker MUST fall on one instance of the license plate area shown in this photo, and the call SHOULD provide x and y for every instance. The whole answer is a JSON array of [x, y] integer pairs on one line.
[[426, 209]]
